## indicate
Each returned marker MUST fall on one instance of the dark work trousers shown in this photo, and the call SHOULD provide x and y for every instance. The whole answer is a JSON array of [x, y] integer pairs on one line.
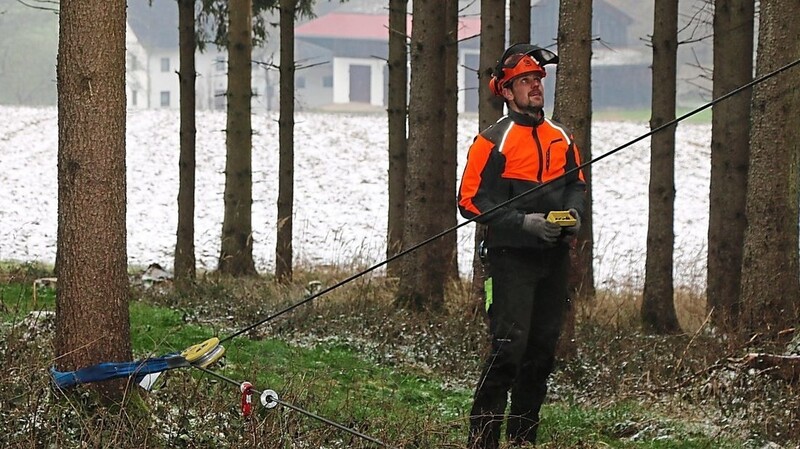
[[529, 300]]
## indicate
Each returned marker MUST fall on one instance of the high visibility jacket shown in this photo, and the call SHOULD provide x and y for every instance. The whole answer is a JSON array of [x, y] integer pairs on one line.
[[511, 157]]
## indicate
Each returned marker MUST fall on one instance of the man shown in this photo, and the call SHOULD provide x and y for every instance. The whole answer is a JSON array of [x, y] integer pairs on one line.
[[528, 256]]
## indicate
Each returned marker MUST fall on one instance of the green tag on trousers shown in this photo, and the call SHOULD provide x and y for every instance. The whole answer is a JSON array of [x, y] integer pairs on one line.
[[487, 288]]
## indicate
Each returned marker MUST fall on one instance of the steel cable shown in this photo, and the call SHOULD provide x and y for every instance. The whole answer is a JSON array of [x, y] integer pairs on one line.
[[509, 201], [298, 409]]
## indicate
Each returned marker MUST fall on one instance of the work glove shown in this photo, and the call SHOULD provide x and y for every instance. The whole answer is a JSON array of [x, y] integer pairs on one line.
[[573, 230], [537, 225]]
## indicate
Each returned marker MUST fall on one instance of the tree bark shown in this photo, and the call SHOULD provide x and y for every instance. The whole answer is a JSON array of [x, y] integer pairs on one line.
[[573, 108], [398, 142], [658, 309], [519, 27], [423, 274], [92, 323], [770, 290], [730, 136], [450, 138], [236, 256], [490, 109], [283, 249], [184, 270]]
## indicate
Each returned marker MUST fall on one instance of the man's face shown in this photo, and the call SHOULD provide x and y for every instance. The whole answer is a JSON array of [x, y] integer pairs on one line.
[[525, 94]]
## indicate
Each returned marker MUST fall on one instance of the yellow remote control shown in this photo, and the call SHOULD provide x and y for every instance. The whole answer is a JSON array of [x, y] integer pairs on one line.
[[562, 218]]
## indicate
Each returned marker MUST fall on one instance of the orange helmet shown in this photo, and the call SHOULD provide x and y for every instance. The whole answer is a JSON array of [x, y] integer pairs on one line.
[[518, 60]]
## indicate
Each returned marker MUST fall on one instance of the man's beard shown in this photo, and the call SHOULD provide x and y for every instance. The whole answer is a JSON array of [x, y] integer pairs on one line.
[[530, 109]]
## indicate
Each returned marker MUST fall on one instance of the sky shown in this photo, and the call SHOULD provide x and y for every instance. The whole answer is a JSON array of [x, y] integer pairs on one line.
[[340, 191]]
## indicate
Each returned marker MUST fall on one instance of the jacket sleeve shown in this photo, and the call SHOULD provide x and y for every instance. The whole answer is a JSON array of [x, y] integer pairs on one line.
[[478, 192]]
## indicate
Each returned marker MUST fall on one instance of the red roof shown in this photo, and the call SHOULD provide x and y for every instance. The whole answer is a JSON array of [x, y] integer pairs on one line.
[[368, 27]]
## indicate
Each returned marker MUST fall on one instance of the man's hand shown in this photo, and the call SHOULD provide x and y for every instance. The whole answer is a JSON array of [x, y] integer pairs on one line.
[[573, 230], [537, 225]]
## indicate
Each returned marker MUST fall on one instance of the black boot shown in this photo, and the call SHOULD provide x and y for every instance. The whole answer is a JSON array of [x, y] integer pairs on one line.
[[484, 431]]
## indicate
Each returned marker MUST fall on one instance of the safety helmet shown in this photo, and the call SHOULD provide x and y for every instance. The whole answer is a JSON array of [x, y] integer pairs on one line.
[[518, 60]]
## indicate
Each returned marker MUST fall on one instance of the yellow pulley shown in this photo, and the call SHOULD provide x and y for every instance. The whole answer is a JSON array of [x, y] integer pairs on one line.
[[205, 353]]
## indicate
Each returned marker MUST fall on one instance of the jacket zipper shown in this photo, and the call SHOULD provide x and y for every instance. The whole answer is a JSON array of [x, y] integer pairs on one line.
[[541, 154]]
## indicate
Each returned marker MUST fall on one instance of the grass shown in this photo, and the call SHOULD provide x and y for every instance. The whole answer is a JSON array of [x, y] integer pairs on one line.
[[404, 379]]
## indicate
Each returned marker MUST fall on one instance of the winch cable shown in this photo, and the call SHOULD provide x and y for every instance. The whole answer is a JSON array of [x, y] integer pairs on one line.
[[298, 409], [509, 201], [447, 231]]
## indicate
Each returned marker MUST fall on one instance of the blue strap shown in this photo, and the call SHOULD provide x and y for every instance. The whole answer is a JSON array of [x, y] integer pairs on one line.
[[116, 370]]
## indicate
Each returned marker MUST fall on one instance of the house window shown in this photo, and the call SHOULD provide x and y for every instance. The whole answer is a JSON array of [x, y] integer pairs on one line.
[[327, 81], [165, 64], [300, 82], [164, 98]]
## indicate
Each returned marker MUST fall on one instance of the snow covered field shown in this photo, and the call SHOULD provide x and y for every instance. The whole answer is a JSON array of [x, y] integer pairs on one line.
[[340, 190]]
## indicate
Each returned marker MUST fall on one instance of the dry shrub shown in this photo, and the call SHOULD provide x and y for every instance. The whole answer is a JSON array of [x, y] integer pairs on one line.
[[620, 309]]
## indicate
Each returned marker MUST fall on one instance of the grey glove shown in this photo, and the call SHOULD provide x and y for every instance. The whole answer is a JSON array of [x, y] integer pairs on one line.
[[537, 225], [573, 230]]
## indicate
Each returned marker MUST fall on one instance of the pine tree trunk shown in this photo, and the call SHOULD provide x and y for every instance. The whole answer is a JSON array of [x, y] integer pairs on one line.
[[92, 324], [184, 248], [397, 116], [573, 108], [283, 250], [770, 290], [658, 309], [450, 138], [236, 256], [519, 27], [490, 109], [423, 274], [730, 137]]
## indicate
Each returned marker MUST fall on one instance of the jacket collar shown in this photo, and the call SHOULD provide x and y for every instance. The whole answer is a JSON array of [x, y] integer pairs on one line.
[[526, 120]]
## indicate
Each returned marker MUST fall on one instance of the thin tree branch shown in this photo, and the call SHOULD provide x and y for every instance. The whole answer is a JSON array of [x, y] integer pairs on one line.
[[42, 8]]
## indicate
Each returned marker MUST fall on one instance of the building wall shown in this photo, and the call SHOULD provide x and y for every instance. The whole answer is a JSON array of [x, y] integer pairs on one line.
[[161, 78], [341, 79], [313, 87], [135, 72]]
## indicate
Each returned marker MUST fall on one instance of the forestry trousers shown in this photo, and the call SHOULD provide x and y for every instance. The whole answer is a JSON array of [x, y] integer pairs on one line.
[[529, 289]]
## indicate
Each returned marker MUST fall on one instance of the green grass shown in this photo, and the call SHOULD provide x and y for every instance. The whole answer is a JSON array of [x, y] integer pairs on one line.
[[401, 405], [625, 424]]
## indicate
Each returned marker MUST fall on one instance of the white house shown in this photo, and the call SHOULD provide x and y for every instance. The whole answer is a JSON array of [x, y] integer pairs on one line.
[[341, 59], [153, 63]]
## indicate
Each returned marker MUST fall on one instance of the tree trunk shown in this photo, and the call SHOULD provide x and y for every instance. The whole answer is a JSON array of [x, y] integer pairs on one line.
[[92, 323], [450, 131], [398, 143], [490, 109], [730, 136], [423, 274], [573, 108], [770, 289], [283, 249], [658, 309], [519, 27], [184, 270], [236, 256]]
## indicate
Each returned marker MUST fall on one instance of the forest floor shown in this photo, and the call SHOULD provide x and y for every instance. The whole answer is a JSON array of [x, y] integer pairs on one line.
[[403, 378]]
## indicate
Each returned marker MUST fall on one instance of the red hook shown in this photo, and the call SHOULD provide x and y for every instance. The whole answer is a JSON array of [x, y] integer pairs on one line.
[[247, 398]]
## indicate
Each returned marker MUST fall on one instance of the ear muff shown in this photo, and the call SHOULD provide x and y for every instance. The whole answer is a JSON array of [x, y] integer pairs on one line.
[[494, 86]]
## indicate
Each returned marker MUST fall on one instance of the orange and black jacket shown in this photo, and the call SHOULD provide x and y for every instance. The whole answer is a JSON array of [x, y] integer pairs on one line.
[[513, 156]]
